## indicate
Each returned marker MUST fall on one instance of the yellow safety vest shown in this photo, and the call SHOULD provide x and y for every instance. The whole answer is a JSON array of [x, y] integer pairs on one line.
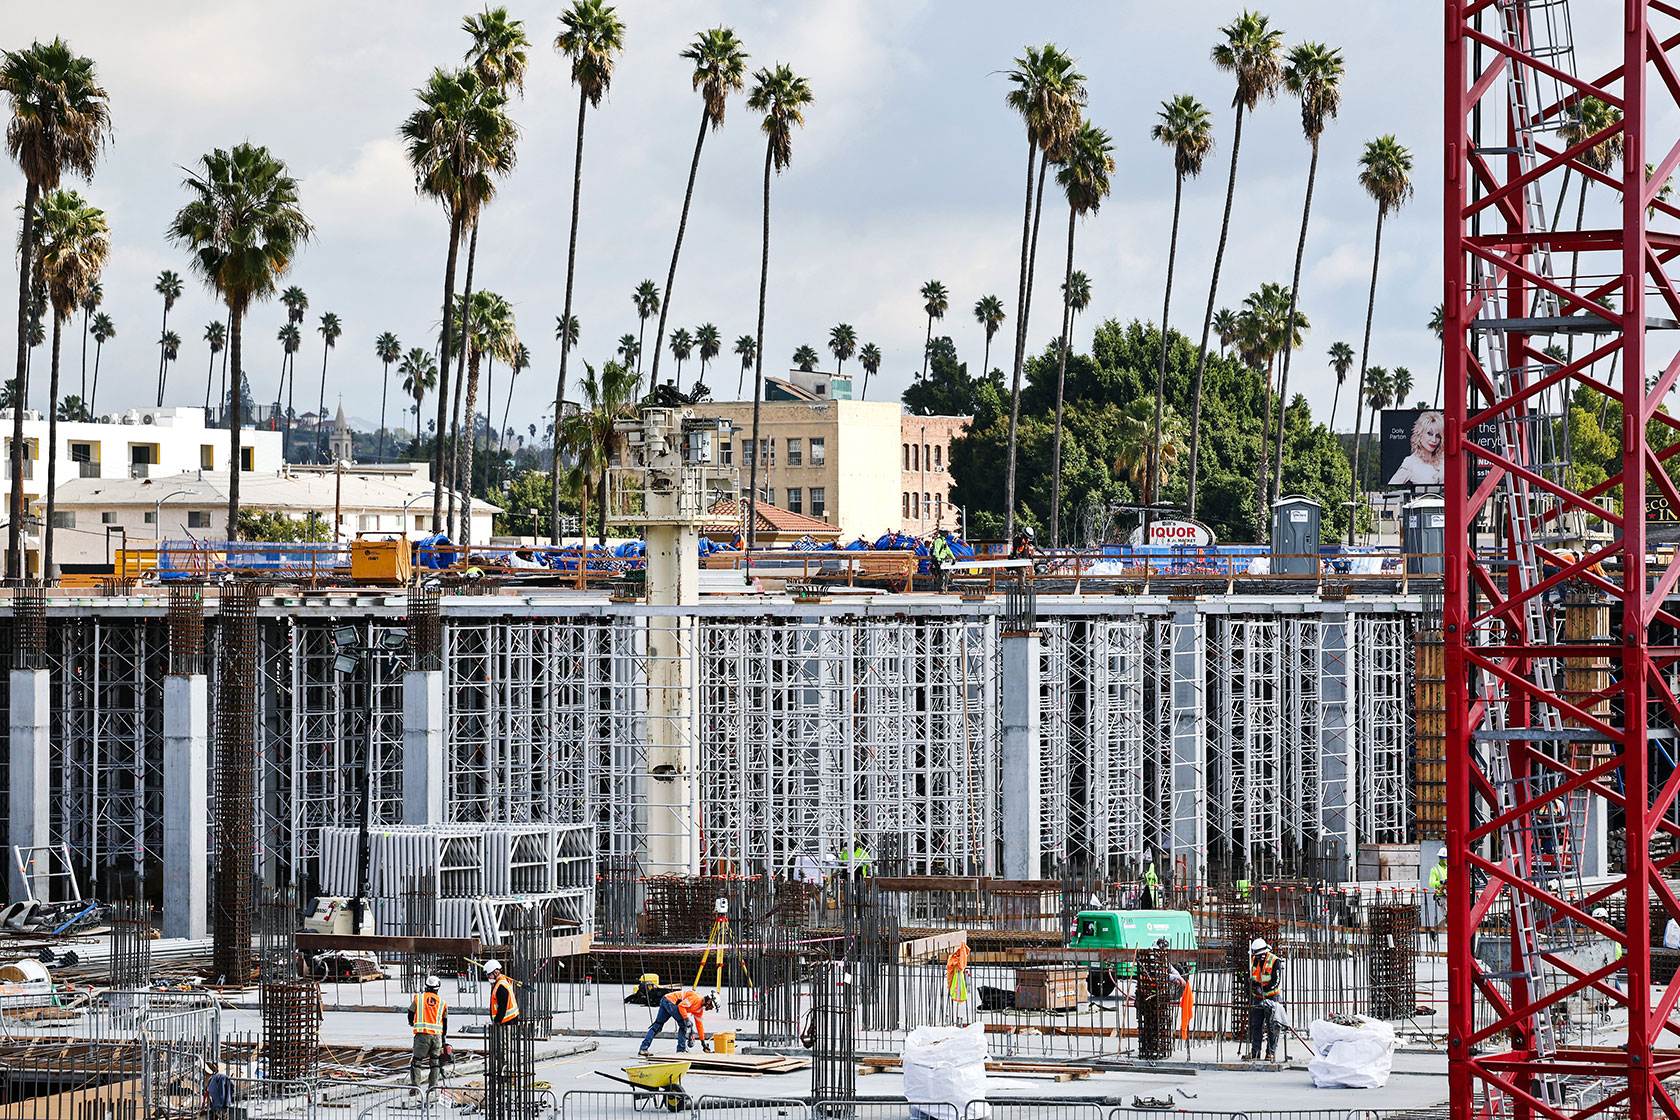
[[428, 1013], [504, 987], [1261, 974]]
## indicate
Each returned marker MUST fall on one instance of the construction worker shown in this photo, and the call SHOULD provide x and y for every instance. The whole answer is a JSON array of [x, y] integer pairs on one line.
[[942, 558], [429, 1016], [504, 1009], [688, 1008], [1021, 548], [1265, 988], [1438, 886], [1151, 887], [857, 860]]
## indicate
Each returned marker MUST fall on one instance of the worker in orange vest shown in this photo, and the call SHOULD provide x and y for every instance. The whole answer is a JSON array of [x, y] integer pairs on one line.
[[429, 1016], [688, 1009], [504, 1009]]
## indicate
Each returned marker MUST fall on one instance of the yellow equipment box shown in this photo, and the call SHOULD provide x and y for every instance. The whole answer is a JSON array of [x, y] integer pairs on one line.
[[381, 562]]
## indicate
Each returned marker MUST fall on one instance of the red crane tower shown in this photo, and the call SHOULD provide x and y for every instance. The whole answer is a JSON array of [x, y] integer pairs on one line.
[[1536, 761]]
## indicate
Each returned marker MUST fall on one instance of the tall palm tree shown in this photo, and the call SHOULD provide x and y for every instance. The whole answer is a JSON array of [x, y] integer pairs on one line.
[[566, 332], [709, 342], [805, 358], [291, 340], [90, 303], [1269, 325], [170, 345], [74, 241], [215, 334], [842, 343], [1314, 75], [720, 68], [988, 312], [244, 227], [935, 299], [1438, 327], [870, 359], [1187, 128], [1588, 118], [1250, 51], [169, 287], [587, 434], [520, 363], [1399, 385], [296, 302], [746, 348], [1385, 171], [1379, 388], [497, 53], [387, 349], [646, 299], [592, 40], [1048, 96], [682, 345], [1084, 179], [330, 329], [419, 372], [104, 330], [629, 350], [1341, 360], [486, 328], [782, 96], [457, 141], [1225, 326]]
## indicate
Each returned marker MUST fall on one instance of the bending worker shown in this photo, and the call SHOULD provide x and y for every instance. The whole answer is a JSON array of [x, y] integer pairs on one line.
[[504, 1009], [687, 1008], [1438, 887], [429, 1016], [1265, 989]]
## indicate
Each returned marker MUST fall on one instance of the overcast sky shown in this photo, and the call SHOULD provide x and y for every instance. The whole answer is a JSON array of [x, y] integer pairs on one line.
[[909, 168]]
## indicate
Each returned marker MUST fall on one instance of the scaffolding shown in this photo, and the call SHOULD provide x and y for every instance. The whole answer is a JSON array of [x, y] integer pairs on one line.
[[1245, 743], [1302, 710], [1105, 720], [1381, 693]]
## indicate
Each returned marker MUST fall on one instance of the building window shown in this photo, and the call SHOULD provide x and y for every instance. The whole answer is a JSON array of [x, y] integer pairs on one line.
[[64, 519], [109, 517], [30, 449], [938, 509], [927, 505], [768, 449], [727, 454], [246, 460], [906, 513], [151, 517], [819, 507], [367, 522], [419, 523], [938, 456], [795, 452], [907, 456], [927, 456], [206, 457], [795, 497], [818, 457], [198, 519]]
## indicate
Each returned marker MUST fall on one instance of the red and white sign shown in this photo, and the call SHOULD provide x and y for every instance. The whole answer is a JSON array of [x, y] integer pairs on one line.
[[1175, 532]]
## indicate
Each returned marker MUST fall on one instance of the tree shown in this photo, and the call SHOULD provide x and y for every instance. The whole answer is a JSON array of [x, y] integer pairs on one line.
[[387, 349], [988, 312], [330, 330], [1268, 325], [485, 327], [1187, 128], [1250, 51], [104, 330], [419, 372], [805, 358], [566, 332], [497, 53], [1314, 75], [710, 343], [1590, 119], [782, 97], [1399, 385], [291, 340], [1438, 327], [947, 390], [1084, 179], [74, 241], [870, 359], [682, 345], [215, 334], [746, 348], [1225, 326], [244, 226], [934, 301], [170, 346], [1048, 96], [630, 351], [842, 343], [71, 410], [1341, 360], [587, 434], [646, 299], [1379, 388], [90, 303], [592, 40], [1385, 171], [521, 362], [720, 68], [169, 287]]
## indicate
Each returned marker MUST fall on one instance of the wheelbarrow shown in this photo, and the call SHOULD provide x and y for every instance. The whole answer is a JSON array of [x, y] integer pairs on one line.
[[656, 1085]]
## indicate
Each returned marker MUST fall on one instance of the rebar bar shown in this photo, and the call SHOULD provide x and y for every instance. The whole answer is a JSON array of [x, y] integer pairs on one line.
[[425, 629], [29, 627], [236, 787], [277, 935], [131, 943], [510, 1072], [833, 1037], [186, 629], [420, 918], [1392, 953], [291, 1018], [1154, 1004]]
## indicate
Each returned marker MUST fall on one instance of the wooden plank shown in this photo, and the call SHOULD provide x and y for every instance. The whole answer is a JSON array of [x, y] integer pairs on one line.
[[569, 945], [937, 946], [386, 943]]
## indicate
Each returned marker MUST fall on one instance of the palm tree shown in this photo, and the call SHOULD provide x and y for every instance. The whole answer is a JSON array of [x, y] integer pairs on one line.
[[290, 339], [592, 40], [988, 312], [720, 68], [170, 345], [1399, 385], [497, 52], [566, 332], [935, 300], [629, 350], [74, 241], [71, 410], [1379, 388], [870, 359], [1385, 171], [37, 335], [1341, 360], [1269, 325], [842, 343], [805, 358], [215, 333], [90, 303], [330, 329], [456, 141], [1250, 51], [104, 330], [587, 434], [244, 227], [646, 299], [296, 302], [169, 287], [1048, 95], [782, 96], [1225, 326], [682, 344], [1084, 179], [387, 349], [710, 343], [1438, 326], [419, 371], [1313, 74], [746, 347], [520, 363], [1136, 453], [1586, 119], [1187, 128], [485, 328]]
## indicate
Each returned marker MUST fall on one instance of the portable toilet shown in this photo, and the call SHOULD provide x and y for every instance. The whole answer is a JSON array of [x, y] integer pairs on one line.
[[1423, 536], [1295, 533]]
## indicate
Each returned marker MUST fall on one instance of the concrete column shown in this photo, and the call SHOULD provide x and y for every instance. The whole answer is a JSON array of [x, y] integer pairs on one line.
[[1338, 754], [1186, 841], [31, 771], [673, 804], [1023, 762], [186, 799], [423, 765]]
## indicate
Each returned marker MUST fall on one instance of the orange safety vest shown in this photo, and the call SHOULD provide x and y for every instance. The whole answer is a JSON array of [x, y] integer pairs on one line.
[[428, 1013], [510, 1006], [1262, 975]]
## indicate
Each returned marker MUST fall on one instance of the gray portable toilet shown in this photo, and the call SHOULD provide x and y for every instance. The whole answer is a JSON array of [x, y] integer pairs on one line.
[[1423, 536], [1295, 533]]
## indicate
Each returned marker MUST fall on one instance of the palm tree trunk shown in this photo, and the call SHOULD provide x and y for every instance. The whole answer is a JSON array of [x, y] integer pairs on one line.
[[1061, 380], [438, 475], [1335, 400], [84, 360], [1207, 319], [288, 374], [671, 276], [460, 368], [1289, 326], [601, 504], [1262, 522], [758, 367], [98, 349], [1440, 373], [224, 378], [236, 416], [1154, 497], [279, 395], [565, 325], [163, 360], [464, 471], [506, 409], [985, 362], [1575, 259], [20, 387], [927, 342], [321, 405], [52, 453], [209, 377], [1364, 356], [1015, 377], [384, 388]]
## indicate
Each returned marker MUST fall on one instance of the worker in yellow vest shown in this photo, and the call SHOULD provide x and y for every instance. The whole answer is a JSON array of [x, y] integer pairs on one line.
[[429, 1016], [504, 1009], [1265, 992]]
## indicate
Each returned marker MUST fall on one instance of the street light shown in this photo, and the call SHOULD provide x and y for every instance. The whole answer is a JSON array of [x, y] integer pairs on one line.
[[402, 518], [157, 513]]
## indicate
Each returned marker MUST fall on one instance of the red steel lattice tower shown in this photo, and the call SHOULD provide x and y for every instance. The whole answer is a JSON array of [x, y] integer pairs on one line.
[[1536, 764]]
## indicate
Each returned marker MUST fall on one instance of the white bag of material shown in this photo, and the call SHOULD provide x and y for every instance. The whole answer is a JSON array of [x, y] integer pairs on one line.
[[946, 1066], [1671, 935], [1351, 1057]]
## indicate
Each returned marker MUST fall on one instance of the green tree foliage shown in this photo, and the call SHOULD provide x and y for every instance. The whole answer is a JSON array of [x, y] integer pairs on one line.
[[948, 390], [277, 527], [526, 492]]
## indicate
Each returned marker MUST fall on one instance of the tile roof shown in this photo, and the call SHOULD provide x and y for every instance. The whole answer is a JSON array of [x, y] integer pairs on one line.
[[775, 519]]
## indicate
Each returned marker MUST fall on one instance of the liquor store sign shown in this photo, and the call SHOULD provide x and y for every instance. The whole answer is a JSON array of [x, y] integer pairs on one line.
[[1176, 531], [1658, 510]]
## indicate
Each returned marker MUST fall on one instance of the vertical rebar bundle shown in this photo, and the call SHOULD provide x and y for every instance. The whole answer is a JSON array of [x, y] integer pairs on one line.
[[1392, 950], [833, 1026], [29, 627], [420, 919], [236, 785], [1155, 1004], [1245, 926], [131, 943], [779, 978], [291, 1018], [186, 629], [425, 629], [510, 1081], [618, 899], [277, 936]]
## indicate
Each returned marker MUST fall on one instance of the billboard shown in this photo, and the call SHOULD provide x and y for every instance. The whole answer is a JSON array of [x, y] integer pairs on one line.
[[1414, 448]]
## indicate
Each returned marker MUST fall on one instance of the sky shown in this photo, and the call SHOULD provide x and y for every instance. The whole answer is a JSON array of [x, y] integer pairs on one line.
[[909, 168]]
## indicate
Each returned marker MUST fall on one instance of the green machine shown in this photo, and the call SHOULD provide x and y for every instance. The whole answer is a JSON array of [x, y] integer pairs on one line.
[[1130, 929]]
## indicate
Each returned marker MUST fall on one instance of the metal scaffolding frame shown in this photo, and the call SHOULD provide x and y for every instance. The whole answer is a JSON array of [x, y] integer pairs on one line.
[[1302, 711], [1245, 742], [1382, 666], [1105, 720], [1155, 750]]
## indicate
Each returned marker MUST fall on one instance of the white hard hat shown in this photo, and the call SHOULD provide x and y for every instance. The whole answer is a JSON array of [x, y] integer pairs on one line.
[[433, 983], [492, 966], [1258, 945], [1442, 855], [1600, 912]]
